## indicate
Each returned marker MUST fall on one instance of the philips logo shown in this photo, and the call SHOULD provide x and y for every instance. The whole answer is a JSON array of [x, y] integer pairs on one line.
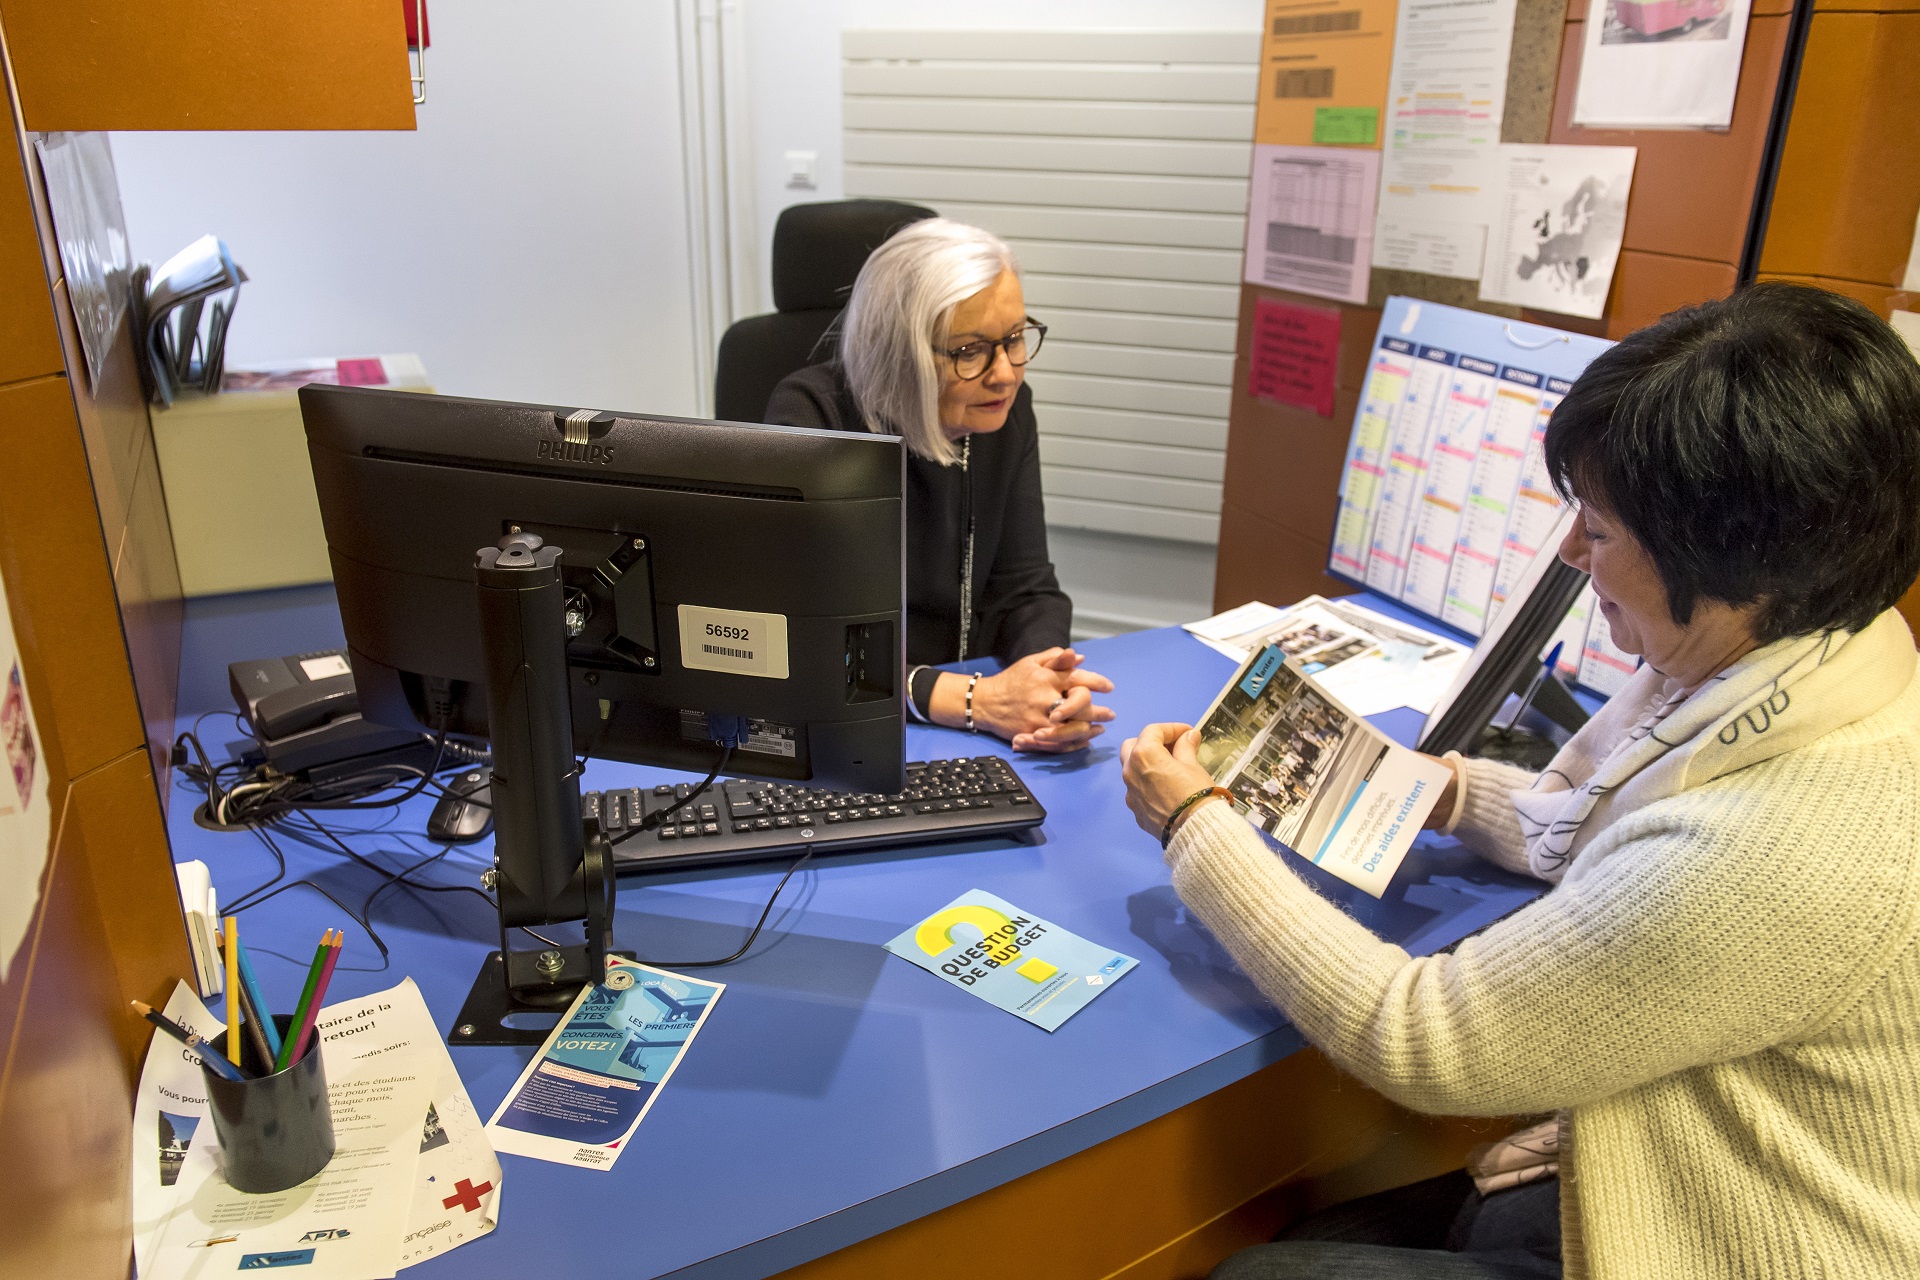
[[566, 451], [578, 431]]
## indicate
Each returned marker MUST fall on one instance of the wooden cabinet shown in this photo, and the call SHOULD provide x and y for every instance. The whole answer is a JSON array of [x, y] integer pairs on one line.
[[209, 64]]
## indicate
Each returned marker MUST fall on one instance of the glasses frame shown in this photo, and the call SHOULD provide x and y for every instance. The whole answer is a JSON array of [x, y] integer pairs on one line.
[[996, 347]]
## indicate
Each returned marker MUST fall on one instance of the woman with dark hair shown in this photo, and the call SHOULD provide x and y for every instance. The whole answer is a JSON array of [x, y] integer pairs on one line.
[[1716, 1005]]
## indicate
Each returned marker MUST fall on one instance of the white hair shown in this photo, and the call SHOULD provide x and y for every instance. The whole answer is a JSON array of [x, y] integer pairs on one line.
[[899, 313]]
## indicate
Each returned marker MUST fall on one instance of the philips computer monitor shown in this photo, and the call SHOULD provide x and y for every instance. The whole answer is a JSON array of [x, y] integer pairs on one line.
[[711, 570]]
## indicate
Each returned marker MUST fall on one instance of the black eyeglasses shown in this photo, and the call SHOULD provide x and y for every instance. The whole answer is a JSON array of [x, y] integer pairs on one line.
[[974, 358]]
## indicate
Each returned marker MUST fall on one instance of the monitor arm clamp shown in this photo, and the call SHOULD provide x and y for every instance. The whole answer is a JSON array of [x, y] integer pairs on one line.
[[550, 867]]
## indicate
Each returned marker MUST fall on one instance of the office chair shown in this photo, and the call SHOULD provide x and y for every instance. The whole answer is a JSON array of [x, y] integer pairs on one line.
[[818, 249]]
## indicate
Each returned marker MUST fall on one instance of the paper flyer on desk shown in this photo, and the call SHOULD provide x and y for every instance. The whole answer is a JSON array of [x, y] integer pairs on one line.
[[596, 1077], [412, 1175], [168, 1114], [1315, 776], [1011, 958]]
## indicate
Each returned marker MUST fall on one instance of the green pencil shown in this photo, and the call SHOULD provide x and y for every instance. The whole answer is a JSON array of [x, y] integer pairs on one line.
[[285, 1059]]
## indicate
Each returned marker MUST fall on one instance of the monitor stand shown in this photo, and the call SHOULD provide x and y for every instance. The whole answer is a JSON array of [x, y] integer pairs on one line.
[[548, 866]]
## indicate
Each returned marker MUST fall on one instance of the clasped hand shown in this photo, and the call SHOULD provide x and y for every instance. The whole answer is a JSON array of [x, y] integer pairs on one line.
[[1043, 702]]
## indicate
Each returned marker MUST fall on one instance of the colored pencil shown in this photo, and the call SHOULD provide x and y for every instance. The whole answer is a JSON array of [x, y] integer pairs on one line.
[[263, 1053], [256, 1038], [233, 991], [193, 1040], [250, 985], [319, 996], [285, 1059]]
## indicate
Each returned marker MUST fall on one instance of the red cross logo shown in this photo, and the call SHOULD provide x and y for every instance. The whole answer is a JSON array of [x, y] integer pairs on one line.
[[466, 1195]]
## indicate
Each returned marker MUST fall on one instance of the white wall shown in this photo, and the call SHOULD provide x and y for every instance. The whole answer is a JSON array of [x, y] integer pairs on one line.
[[529, 241]]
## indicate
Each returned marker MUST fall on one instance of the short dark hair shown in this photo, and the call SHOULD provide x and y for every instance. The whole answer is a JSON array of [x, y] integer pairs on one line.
[[1764, 449]]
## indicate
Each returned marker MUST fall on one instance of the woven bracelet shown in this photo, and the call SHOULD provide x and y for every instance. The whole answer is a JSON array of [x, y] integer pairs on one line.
[[1166, 832]]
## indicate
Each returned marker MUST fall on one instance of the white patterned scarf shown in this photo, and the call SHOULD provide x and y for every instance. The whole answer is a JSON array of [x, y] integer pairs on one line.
[[1655, 739]]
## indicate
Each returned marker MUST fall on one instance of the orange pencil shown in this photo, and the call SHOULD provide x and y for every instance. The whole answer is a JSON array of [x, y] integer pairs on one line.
[[233, 991]]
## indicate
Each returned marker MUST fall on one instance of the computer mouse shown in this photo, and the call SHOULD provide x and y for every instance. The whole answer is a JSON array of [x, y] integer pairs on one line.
[[465, 813]]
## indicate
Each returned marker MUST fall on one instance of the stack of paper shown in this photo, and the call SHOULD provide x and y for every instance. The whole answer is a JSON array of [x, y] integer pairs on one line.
[[412, 1174], [173, 351], [201, 907], [1367, 660]]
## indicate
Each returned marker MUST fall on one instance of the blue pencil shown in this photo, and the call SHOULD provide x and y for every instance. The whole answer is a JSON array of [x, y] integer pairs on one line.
[[267, 1025], [209, 1055]]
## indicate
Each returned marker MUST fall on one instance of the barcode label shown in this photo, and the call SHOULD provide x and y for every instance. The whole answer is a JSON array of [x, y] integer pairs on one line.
[[1303, 82], [735, 641], [1316, 24], [1308, 242]]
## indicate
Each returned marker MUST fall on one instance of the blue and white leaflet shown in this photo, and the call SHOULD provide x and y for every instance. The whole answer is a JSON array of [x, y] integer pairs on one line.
[[596, 1077], [1306, 770], [1011, 958]]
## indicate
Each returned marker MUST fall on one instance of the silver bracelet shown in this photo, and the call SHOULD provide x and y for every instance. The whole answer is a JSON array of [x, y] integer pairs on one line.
[[972, 680], [913, 708]]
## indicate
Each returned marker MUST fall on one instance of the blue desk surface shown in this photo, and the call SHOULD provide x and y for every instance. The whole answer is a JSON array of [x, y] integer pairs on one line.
[[837, 1091]]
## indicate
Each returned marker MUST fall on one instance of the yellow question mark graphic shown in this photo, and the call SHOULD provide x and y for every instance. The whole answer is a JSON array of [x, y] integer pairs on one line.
[[936, 934]]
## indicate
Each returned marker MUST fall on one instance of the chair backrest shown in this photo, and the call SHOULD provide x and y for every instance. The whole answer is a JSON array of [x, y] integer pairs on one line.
[[818, 250]]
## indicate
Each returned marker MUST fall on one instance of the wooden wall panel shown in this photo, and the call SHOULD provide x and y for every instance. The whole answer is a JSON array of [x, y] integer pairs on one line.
[[1647, 286], [1173, 1197], [126, 859], [1850, 176], [1269, 562], [1884, 299], [29, 341], [60, 579], [209, 64], [1285, 474], [66, 1095], [1692, 188]]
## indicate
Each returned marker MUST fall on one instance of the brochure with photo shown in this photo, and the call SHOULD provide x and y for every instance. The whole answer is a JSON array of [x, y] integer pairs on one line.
[[1318, 778], [1370, 662]]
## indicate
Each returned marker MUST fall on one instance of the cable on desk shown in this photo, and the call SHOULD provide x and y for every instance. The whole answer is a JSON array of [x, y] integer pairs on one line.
[[653, 820], [757, 926]]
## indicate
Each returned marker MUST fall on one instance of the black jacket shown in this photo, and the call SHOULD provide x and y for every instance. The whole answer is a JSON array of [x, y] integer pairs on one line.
[[1018, 607]]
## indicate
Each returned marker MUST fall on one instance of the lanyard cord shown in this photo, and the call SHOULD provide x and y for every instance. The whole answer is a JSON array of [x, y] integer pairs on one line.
[[966, 558]]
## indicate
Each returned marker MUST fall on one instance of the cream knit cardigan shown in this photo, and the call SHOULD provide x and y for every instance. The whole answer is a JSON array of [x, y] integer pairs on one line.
[[1726, 1011]]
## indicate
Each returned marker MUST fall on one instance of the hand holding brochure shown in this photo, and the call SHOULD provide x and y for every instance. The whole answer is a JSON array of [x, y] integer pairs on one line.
[[1011, 958], [1309, 772]]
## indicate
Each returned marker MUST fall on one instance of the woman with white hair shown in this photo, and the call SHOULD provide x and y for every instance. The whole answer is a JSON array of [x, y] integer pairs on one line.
[[934, 346]]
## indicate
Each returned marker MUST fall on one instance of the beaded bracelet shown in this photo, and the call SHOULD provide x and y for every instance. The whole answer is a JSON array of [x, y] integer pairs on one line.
[[1166, 832], [972, 680]]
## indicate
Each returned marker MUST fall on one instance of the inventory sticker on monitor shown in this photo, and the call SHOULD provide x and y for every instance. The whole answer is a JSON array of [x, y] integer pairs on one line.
[[734, 641]]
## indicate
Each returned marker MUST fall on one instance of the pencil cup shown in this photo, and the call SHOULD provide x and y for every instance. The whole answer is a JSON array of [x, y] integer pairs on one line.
[[277, 1131]]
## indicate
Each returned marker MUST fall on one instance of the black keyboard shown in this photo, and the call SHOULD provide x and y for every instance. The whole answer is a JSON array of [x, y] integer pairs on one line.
[[738, 820]]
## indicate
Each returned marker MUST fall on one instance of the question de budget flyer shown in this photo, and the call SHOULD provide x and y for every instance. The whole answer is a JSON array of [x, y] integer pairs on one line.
[[1011, 958], [596, 1077], [1313, 775]]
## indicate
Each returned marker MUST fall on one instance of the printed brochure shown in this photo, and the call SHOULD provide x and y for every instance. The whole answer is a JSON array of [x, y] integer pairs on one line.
[[1316, 777], [594, 1080], [1370, 662], [1011, 958]]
